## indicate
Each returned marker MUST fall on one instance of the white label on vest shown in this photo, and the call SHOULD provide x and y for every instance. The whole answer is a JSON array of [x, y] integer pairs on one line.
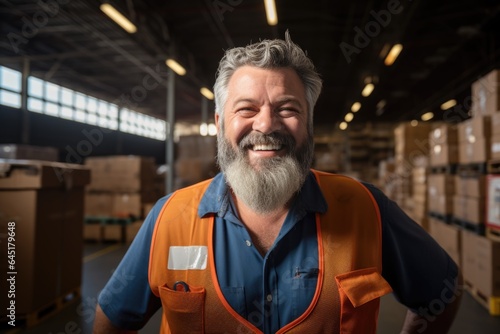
[[187, 257]]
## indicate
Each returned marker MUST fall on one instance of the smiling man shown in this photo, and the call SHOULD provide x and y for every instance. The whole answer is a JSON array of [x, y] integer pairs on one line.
[[269, 245]]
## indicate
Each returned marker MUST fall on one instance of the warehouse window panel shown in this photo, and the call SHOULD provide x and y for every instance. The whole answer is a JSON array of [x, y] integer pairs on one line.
[[52, 92], [67, 112], [80, 101], [51, 109], [10, 99], [91, 105], [35, 87], [92, 119], [10, 79], [35, 105], [67, 97], [80, 116]]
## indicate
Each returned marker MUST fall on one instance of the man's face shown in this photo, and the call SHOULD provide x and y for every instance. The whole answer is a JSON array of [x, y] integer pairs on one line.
[[264, 147], [265, 101]]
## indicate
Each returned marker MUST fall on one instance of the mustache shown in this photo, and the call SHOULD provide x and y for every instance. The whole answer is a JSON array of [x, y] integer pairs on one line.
[[274, 138]]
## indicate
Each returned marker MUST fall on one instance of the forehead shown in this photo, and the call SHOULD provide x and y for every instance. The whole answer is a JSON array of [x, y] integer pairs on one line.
[[256, 79]]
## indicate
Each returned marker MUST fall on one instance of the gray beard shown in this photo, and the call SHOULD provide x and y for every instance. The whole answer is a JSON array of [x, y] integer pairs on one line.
[[273, 182]]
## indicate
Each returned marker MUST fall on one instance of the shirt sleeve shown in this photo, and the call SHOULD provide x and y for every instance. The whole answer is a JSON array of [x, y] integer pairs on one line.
[[127, 299], [418, 269]]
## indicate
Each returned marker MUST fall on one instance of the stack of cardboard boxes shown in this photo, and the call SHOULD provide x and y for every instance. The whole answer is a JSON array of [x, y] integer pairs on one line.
[[120, 188], [196, 160], [419, 211], [411, 150], [480, 254], [41, 209]]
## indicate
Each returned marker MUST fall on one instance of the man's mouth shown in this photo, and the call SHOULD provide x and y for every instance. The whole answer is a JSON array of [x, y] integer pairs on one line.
[[266, 147]]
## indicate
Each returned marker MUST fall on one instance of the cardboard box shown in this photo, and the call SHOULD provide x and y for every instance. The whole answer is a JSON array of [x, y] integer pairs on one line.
[[121, 173], [131, 231], [28, 152], [481, 263], [128, 204], [493, 201], [473, 186], [443, 154], [474, 129], [441, 204], [495, 124], [469, 209], [476, 152], [444, 134], [92, 232], [448, 237], [486, 94], [113, 232], [411, 141], [441, 184], [495, 147], [99, 204], [196, 146], [45, 201]]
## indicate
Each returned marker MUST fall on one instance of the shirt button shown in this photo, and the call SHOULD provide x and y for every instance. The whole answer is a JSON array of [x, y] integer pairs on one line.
[[248, 242], [269, 298]]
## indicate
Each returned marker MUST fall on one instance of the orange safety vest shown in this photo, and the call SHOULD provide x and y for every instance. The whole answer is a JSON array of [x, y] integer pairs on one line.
[[349, 284]]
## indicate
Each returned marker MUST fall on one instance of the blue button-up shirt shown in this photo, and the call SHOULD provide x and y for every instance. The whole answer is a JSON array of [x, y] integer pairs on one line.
[[273, 290]]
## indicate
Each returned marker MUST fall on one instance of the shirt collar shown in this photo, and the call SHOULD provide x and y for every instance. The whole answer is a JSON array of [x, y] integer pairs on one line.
[[216, 198]]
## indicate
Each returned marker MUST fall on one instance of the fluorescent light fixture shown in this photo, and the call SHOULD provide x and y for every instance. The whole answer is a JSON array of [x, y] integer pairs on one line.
[[355, 107], [176, 67], [449, 104], [414, 123], [207, 93], [393, 54], [343, 126], [271, 14], [212, 129], [348, 117], [118, 17], [204, 129], [427, 116], [368, 89]]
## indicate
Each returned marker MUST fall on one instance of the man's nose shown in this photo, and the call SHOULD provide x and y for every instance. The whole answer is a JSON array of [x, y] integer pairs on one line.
[[267, 121]]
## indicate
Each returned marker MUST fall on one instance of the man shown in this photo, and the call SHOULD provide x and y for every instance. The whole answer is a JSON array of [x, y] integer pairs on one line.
[[269, 245]]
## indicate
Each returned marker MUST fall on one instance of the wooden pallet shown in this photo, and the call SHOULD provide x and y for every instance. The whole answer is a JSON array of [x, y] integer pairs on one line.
[[472, 169], [491, 303], [494, 167], [493, 233], [478, 229], [445, 218], [445, 169], [39, 315]]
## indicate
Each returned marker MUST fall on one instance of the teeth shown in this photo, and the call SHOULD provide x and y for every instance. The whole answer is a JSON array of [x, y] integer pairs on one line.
[[266, 147]]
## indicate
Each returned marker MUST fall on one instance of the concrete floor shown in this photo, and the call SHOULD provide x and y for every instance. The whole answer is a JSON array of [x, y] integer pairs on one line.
[[101, 259]]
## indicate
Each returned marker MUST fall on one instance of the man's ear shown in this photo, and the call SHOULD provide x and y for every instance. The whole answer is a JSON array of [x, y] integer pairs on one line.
[[217, 121]]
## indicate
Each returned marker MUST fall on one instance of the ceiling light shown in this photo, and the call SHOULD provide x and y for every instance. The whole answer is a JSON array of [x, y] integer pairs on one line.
[[271, 14], [368, 89], [348, 117], [203, 129], [427, 116], [175, 66], [207, 93], [118, 17], [355, 107], [393, 54], [414, 123], [343, 126], [449, 104]]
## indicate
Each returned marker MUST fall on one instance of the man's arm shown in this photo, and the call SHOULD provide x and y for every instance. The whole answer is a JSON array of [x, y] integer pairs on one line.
[[441, 321], [102, 324]]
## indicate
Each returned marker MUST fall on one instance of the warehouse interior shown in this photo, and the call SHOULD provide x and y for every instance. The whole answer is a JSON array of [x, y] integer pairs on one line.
[[98, 120]]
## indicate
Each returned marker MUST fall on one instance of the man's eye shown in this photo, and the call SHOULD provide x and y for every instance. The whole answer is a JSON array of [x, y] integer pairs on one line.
[[246, 112], [288, 112]]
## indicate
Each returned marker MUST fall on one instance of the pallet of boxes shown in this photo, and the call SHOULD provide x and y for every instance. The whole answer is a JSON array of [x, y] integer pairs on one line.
[[443, 161], [41, 218], [410, 161], [115, 200], [475, 188], [196, 159]]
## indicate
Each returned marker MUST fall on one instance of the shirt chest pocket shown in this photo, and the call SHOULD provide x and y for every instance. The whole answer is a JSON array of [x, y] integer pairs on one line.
[[303, 286]]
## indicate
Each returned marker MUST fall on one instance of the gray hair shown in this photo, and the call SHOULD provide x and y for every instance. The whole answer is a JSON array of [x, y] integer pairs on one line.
[[268, 54]]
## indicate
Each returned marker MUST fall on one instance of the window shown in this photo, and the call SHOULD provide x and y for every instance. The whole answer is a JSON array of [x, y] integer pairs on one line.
[[10, 87]]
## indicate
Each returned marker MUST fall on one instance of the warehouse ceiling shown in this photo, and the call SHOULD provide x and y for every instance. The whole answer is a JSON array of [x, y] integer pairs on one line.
[[446, 46]]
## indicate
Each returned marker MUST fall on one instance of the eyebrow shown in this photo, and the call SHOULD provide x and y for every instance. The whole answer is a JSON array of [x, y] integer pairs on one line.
[[281, 101]]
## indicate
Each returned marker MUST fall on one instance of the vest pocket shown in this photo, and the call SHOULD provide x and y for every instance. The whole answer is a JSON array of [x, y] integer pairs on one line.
[[184, 311], [360, 293]]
